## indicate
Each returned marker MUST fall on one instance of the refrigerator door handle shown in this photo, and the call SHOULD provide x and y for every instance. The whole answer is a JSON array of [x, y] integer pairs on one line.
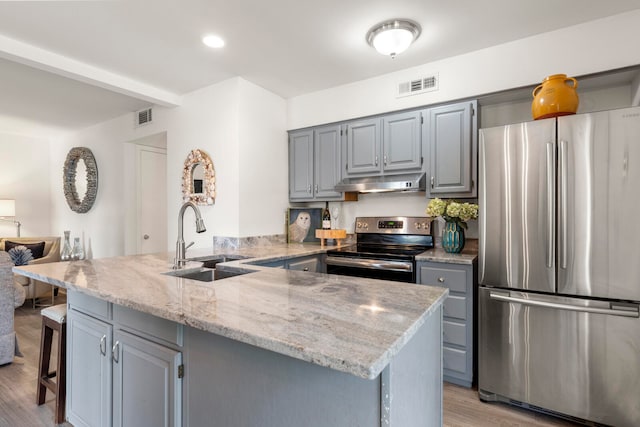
[[562, 259], [624, 311], [551, 197]]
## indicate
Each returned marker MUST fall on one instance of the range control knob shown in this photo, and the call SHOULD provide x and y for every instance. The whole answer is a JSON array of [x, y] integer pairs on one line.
[[365, 225], [359, 225], [418, 226]]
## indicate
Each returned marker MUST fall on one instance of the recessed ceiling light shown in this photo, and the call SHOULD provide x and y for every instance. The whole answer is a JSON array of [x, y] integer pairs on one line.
[[394, 36], [213, 41]]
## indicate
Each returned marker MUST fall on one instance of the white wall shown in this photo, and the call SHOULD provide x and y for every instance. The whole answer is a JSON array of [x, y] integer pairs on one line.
[[264, 185], [24, 177], [578, 50], [239, 142]]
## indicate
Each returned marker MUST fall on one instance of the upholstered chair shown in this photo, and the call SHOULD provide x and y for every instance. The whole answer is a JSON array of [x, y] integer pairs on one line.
[[35, 289], [7, 301]]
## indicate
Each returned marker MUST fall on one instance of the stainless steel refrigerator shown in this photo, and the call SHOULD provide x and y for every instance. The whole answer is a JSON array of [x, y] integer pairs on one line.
[[559, 266]]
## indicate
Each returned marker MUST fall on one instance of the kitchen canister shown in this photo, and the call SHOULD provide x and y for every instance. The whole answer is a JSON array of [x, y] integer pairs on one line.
[[556, 96]]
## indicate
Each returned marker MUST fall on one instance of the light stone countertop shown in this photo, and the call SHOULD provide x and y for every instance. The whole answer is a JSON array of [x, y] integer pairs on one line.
[[469, 254], [349, 324]]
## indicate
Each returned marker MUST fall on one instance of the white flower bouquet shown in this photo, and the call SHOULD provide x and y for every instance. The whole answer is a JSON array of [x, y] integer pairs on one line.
[[452, 211]]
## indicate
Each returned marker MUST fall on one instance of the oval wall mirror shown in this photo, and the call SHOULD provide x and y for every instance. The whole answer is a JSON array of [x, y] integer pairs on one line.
[[80, 179], [198, 179]]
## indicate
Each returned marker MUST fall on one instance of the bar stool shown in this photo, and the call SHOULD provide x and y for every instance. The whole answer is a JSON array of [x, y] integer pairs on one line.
[[53, 319]]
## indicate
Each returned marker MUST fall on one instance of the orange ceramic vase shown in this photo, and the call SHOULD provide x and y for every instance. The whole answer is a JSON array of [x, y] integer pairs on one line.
[[556, 96]]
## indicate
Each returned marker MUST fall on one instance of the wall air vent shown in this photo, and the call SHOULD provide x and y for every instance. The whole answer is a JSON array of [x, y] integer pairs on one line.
[[418, 86], [143, 117]]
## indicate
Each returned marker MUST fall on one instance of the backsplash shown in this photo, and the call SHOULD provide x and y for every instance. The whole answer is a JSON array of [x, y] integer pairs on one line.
[[221, 242]]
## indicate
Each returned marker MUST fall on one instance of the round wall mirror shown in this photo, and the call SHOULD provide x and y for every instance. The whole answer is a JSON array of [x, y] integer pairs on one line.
[[198, 179], [80, 180]]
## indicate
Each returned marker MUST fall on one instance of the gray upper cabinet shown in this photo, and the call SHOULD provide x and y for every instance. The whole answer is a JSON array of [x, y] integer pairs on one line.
[[392, 143], [301, 165], [451, 134], [402, 142], [314, 164], [364, 147], [327, 162]]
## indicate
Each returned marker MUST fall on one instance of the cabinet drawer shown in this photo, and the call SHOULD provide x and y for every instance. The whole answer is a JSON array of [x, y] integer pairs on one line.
[[92, 306], [454, 333], [454, 360], [455, 306], [149, 325], [455, 280]]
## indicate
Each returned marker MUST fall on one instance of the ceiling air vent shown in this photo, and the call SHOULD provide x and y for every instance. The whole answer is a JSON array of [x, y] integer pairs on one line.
[[144, 117], [418, 86]]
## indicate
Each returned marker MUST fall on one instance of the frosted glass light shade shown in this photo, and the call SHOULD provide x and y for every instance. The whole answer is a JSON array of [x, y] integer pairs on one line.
[[7, 208], [393, 37]]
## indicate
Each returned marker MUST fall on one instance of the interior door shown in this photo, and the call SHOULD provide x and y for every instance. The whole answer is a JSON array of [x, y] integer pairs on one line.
[[517, 206], [599, 173], [152, 200]]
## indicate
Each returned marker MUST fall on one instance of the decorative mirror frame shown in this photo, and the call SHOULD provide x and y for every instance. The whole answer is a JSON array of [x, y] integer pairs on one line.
[[69, 177], [208, 195]]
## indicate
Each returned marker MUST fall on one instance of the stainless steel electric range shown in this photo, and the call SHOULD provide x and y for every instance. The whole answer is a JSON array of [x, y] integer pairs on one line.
[[385, 248]]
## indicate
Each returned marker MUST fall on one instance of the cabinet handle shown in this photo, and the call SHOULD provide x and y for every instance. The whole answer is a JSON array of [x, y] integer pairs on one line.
[[316, 188], [385, 160], [432, 182], [309, 189], [103, 345], [376, 160], [441, 279], [114, 352]]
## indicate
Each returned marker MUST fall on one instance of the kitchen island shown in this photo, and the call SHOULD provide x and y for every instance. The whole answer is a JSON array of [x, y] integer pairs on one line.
[[271, 347]]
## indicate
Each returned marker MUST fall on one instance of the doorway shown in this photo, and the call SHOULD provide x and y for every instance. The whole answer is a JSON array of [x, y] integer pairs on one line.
[[146, 229]]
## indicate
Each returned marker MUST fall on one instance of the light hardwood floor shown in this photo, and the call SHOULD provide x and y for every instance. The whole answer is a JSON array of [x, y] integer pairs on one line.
[[18, 389]]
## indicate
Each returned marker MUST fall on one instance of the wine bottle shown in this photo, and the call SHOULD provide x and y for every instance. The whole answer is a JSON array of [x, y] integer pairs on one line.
[[326, 218]]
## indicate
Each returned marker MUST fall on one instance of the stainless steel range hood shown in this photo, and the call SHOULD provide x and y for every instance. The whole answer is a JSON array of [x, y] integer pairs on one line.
[[374, 184]]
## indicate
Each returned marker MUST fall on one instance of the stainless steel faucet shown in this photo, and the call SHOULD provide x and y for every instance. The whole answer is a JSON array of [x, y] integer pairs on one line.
[[181, 250]]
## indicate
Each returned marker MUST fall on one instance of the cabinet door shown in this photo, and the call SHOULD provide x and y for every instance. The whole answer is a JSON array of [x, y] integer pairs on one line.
[[89, 371], [451, 135], [305, 264], [327, 164], [301, 165], [402, 142], [364, 147], [146, 387], [458, 322]]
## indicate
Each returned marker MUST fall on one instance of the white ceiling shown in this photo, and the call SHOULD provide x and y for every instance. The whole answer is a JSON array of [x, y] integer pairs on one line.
[[68, 65]]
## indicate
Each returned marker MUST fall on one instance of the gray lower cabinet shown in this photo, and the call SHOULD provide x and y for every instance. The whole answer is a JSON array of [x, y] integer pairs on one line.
[[314, 164], [89, 372], [146, 381], [451, 135], [308, 263], [305, 263], [124, 366], [458, 323]]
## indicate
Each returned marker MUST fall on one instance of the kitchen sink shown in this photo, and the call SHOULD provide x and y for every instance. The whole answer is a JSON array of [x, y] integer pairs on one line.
[[213, 260], [204, 274]]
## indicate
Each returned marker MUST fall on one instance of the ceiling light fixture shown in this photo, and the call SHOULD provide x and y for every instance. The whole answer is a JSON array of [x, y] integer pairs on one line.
[[394, 36], [213, 41]]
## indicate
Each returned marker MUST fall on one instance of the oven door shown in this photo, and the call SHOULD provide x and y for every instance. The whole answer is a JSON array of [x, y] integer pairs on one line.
[[396, 270]]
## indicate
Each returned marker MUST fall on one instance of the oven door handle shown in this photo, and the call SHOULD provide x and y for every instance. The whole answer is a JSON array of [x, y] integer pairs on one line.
[[371, 264]]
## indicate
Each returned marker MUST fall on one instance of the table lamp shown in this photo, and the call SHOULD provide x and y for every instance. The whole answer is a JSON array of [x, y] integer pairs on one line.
[[8, 212]]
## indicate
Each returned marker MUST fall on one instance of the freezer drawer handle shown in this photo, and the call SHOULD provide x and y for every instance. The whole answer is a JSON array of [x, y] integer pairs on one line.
[[625, 311]]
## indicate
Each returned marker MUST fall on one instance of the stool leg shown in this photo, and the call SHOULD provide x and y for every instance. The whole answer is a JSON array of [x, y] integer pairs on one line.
[[45, 358], [61, 374]]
